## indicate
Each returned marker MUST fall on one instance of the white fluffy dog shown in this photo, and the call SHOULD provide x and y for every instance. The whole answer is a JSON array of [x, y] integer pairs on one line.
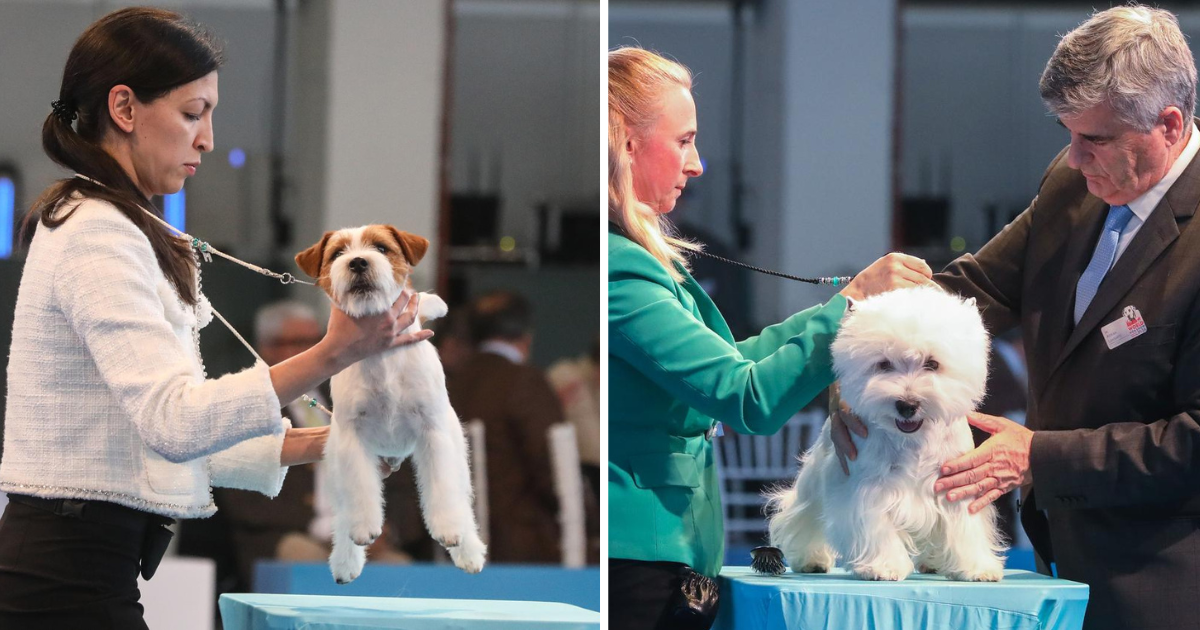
[[912, 363], [390, 406]]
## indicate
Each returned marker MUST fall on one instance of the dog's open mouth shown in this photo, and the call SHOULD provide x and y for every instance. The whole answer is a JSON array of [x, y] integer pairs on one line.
[[909, 426]]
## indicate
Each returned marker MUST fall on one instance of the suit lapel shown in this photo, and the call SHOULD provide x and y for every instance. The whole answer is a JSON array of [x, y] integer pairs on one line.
[[1161, 229], [1085, 220]]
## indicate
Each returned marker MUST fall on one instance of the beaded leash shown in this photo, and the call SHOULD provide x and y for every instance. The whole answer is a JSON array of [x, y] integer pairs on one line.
[[203, 249], [833, 280]]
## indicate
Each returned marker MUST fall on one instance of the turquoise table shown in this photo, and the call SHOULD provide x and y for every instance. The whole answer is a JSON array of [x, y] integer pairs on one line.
[[578, 587], [1021, 601], [315, 612]]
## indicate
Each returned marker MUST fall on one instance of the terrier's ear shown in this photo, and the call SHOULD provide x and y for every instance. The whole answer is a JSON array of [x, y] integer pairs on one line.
[[971, 301], [413, 246], [310, 259]]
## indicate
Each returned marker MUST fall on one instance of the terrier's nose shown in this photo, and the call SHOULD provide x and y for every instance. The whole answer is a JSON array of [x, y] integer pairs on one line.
[[358, 265], [906, 408]]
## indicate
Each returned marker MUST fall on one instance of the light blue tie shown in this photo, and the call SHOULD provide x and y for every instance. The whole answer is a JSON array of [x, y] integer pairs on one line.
[[1102, 259]]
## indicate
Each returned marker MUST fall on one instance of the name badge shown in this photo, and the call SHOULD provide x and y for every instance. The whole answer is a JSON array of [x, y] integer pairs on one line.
[[1129, 326]]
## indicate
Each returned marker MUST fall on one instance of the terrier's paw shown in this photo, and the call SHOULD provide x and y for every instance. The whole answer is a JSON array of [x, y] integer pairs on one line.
[[924, 568], [819, 562], [364, 535], [432, 307], [346, 563], [449, 541], [815, 567], [469, 556]]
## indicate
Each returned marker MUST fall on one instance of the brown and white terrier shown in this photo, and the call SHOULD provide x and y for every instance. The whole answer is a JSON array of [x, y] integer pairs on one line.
[[392, 405]]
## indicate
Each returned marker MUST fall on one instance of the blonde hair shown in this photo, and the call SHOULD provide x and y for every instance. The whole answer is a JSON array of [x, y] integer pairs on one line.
[[637, 80]]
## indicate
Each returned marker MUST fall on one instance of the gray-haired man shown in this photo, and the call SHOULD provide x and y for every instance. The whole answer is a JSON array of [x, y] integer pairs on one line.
[[1110, 463]]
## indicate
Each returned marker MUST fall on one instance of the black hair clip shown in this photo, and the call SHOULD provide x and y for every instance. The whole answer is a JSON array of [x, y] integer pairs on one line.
[[767, 561], [64, 110]]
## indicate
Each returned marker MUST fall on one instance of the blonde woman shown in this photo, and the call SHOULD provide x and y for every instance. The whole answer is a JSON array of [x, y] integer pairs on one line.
[[674, 368]]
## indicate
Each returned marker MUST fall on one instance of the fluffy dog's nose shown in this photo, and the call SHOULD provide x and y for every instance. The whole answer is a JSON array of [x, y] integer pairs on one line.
[[906, 408], [358, 265]]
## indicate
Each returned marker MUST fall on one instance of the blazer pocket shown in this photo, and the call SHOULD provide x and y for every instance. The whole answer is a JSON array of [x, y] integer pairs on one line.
[[168, 478], [665, 470]]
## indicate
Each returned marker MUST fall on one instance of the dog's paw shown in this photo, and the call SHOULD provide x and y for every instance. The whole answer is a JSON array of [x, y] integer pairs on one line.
[[365, 535], [347, 562], [470, 555], [449, 541], [885, 571], [816, 567], [432, 307], [983, 575], [924, 568]]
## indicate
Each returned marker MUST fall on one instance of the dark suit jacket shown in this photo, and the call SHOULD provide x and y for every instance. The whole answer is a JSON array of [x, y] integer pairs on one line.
[[517, 407], [1115, 454]]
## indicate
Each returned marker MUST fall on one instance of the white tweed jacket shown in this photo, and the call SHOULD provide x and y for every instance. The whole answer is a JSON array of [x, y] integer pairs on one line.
[[106, 396]]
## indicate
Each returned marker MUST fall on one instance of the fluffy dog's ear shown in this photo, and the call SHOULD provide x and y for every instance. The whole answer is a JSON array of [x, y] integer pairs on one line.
[[309, 260], [413, 246]]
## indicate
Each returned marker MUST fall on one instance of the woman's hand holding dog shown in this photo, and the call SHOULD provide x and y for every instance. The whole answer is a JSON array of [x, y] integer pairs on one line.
[[893, 271], [351, 340], [347, 342], [999, 464]]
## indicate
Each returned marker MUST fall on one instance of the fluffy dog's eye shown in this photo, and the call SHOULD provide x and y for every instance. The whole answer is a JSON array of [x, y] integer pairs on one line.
[[336, 254], [884, 366], [932, 365], [382, 249]]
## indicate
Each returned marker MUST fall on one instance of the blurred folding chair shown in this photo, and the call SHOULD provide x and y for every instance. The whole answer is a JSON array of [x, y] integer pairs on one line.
[[747, 465], [568, 484]]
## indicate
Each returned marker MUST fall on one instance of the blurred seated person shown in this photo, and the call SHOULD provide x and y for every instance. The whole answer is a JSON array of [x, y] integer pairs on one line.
[[517, 407], [453, 338], [297, 525]]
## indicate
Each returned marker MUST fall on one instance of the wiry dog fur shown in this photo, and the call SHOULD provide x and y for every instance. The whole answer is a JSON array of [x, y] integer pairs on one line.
[[392, 405], [912, 363]]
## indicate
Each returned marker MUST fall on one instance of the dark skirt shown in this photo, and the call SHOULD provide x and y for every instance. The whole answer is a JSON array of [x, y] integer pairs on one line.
[[76, 569]]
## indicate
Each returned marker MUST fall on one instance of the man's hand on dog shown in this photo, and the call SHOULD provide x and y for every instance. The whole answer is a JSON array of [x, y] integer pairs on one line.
[[841, 422], [998, 465]]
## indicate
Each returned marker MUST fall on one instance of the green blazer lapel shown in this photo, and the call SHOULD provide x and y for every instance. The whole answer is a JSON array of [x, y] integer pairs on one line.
[[707, 308]]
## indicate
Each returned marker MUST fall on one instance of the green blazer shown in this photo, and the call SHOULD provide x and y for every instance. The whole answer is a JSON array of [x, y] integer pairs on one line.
[[674, 370]]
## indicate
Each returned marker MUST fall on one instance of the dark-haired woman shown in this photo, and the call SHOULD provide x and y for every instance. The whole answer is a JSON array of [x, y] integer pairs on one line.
[[112, 428]]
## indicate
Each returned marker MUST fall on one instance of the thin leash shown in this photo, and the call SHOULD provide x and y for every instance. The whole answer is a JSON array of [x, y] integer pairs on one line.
[[829, 280], [205, 251]]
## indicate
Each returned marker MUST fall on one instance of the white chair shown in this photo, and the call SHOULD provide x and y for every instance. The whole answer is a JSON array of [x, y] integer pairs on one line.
[[568, 485], [747, 465], [475, 444]]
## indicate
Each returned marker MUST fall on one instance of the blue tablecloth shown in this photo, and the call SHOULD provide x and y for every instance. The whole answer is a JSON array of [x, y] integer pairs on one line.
[[1022, 600], [578, 587], [315, 612]]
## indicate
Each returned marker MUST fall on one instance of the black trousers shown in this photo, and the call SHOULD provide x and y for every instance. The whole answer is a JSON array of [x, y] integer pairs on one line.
[[642, 595], [64, 573]]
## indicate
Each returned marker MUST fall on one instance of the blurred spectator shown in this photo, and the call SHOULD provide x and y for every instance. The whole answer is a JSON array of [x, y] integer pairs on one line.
[[517, 407], [296, 525], [453, 339], [577, 383]]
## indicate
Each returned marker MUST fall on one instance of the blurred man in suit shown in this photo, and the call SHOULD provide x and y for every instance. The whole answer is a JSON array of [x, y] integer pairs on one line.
[[517, 407]]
